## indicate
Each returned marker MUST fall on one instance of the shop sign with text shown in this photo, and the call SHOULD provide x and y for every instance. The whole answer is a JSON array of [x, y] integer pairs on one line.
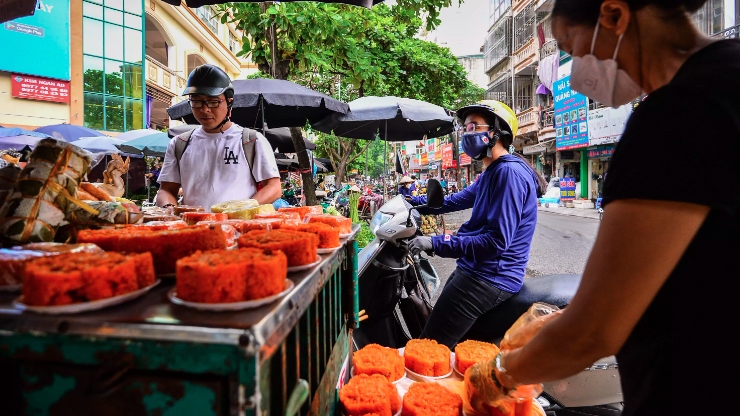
[[447, 160], [605, 125], [36, 88], [571, 116], [424, 159], [567, 188], [601, 152]]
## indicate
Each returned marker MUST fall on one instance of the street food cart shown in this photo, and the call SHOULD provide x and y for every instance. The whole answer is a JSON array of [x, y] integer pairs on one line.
[[149, 356]]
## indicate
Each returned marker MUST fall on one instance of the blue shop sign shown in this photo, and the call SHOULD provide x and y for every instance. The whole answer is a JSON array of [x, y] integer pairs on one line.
[[571, 116], [39, 44], [567, 188]]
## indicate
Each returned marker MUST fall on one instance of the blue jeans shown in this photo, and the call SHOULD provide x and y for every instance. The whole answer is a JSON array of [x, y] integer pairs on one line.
[[463, 300]]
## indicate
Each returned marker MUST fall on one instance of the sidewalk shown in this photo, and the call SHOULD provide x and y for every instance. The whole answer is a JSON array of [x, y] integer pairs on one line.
[[574, 212]]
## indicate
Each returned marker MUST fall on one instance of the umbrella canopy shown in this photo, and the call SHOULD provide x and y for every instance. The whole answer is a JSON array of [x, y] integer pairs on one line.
[[277, 102], [135, 134], [326, 163], [198, 3], [279, 138], [151, 145], [392, 118], [15, 138], [68, 132], [100, 144]]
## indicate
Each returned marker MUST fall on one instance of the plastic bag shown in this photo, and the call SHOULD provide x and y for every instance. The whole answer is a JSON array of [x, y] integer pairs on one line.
[[528, 325], [280, 203]]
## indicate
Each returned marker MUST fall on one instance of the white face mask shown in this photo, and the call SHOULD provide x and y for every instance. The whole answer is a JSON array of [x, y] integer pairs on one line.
[[601, 80], [408, 185]]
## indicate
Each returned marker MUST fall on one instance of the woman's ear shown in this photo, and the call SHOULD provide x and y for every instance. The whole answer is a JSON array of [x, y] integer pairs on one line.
[[615, 16]]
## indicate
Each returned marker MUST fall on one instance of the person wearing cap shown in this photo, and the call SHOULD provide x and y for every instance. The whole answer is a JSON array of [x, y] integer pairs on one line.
[[492, 247], [213, 168], [404, 186]]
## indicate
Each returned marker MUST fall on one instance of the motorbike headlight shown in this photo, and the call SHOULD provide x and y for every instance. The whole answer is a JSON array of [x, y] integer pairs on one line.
[[379, 219]]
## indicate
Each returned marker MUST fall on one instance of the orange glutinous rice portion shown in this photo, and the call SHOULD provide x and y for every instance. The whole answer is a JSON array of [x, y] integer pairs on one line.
[[470, 352], [166, 246], [302, 211], [377, 359], [328, 235], [344, 224], [289, 217], [367, 394], [431, 399], [192, 218], [427, 357], [82, 277], [219, 276], [300, 247]]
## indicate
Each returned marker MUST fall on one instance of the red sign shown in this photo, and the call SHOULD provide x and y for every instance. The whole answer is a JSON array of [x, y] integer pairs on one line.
[[447, 162], [465, 159], [37, 88], [424, 159]]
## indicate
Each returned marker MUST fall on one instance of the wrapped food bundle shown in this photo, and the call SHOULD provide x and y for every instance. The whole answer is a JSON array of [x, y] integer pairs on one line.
[[166, 246], [302, 211], [194, 217], [218, 276], [343, 224], [300, 247], [163, 225], [181, 209], [8, 177], [81, 277], [328, 236], [369, 394], [427, 357], [45, 192], [249, 213], [107, 213], [471, 351], [244, 226], [158, 214], [377, 359], [234, 205], [286, 217], [431, 399], [12, 260]]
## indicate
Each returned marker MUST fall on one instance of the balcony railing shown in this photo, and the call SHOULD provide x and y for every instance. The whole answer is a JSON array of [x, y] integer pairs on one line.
[[527, 121], [526, 55], [547, 119], [163, 77], [550, 47], [732, 32]]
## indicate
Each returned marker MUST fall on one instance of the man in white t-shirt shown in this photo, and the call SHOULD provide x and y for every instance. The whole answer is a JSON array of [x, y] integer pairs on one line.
[[213, 168]]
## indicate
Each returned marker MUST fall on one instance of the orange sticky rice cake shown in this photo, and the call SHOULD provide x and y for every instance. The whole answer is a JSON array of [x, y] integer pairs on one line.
[[427, 357], [219, 276], [300, 247], [431, 399], [377, 359], [471, 351], [81, 277], [181, 209], [302, 211], [328, 236], [291, 218], [162, 225], [192, 218], [369, 394], [340, 222], [166, 246]]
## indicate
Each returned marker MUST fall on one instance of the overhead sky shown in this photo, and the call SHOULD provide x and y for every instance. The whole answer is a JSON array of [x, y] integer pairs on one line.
[[463, 28]]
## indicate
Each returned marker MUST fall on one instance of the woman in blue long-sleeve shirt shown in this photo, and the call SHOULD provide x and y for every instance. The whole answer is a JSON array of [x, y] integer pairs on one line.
[[493, 246], [404, 186]]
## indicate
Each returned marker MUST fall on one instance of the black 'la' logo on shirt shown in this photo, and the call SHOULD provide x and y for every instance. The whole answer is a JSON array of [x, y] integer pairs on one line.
[[229, 157]]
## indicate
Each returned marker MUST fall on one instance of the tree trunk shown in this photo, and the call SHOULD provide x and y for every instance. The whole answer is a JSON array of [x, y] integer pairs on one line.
[[309, 189]]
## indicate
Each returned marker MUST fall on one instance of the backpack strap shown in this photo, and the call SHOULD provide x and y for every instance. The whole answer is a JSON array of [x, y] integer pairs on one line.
[[183, 140]]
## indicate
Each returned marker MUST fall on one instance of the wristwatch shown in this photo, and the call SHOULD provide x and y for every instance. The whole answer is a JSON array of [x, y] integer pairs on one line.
[[168, 205]]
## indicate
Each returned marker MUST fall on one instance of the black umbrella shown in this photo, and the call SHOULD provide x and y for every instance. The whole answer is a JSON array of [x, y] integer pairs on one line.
[[326, 162], [271, 102], [197, 3], [391, 118], [279, 138]]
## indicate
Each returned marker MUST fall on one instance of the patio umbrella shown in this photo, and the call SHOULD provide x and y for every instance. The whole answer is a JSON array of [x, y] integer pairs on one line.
[[15, 138], [325, 162], [135, 134], [391, 118], [100, 144], [279, 138], [198, 3], [263, 102], [68, 132], [150, 145]]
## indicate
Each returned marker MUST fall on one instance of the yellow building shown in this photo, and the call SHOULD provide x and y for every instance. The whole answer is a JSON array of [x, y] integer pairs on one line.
[[109, 65]]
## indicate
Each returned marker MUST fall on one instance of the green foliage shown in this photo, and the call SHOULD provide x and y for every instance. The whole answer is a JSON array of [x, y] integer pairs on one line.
[[364, 236]]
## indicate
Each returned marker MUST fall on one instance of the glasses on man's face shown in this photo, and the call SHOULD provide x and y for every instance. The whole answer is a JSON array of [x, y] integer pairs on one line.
[[208, 103], [472, 127]]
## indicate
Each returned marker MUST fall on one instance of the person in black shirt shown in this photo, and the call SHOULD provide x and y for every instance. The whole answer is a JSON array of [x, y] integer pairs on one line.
[[656, 289]]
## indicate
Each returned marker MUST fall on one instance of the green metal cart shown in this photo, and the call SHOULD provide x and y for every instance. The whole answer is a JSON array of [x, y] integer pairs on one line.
[[149, 356]]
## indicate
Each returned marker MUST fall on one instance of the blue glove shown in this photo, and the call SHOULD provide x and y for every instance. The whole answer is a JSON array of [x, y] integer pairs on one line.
[[421, 243]]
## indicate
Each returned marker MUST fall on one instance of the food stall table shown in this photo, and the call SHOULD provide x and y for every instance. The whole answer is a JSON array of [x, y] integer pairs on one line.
[[150, 356]]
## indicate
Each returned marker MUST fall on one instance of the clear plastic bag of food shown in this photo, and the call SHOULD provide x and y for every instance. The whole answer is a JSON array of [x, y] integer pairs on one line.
[[528, 325]]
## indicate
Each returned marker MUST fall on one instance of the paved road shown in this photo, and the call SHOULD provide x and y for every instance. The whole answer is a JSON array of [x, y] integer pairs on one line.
[[561, 244]]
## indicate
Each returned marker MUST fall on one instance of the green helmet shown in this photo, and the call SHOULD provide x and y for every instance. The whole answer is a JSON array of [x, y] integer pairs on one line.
[[209, 80]]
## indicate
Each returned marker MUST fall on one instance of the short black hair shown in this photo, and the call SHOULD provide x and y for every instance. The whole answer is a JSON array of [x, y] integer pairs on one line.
[[586, 12]]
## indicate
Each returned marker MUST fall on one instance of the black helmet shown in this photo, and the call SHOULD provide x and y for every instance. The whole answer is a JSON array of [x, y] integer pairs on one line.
[[209, 80]]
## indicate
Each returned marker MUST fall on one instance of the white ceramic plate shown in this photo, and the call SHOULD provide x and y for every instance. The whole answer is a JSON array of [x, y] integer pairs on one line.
[[83, 306], [10, 288], [304, 266], [328, 250], [418, 376], [454, 366], [230, 306], [345, 235], [352, 374]]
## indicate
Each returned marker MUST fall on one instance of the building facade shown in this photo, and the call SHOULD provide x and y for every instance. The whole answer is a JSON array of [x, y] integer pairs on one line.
[[109, 65]]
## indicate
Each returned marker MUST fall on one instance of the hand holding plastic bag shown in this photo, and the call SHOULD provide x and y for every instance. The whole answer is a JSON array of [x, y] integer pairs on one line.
[[528, 325]]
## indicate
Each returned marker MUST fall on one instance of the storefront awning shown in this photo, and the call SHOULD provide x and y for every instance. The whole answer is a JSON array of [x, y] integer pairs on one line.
[[540, 147]]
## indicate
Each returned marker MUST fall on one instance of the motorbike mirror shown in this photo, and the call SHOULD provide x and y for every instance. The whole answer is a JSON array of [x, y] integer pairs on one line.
[[435, 194]]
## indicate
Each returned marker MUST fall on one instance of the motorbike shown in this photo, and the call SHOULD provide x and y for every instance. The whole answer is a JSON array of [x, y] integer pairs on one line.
[[385, 269]]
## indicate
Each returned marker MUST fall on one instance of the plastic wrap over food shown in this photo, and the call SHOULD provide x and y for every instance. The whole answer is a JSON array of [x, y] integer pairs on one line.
[[235, 204], [163, 225], [158, 214], [192, 218], [108, 213], [288, 218], [45, 192], [343, 223], [249, 213], [13, 259], [528, 325], [181, 209], [484, 395]]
